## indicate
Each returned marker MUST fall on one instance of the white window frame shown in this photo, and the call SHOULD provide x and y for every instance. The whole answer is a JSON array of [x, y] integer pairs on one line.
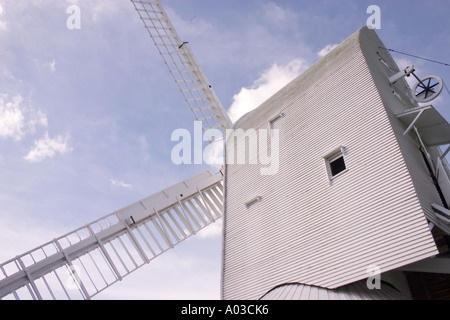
[[332, 156], [275, 119]]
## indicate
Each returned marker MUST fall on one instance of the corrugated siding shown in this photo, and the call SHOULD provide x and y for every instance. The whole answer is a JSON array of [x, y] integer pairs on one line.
[[305, 230], [408, 144]]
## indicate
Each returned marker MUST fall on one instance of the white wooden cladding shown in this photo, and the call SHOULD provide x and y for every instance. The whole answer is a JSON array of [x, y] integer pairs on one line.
[[86, 261], [409, 145], [306, 230]]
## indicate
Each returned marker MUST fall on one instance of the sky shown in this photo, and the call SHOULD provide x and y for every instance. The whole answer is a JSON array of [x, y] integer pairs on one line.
[[86, 114]]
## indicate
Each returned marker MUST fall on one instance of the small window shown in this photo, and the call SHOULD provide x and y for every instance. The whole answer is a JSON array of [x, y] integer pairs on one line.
[[275, 122], [335, 163]]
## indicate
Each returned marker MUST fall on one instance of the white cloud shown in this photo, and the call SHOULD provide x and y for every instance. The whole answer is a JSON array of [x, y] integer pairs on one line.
[[51, 66], [121, 184], [16, 120], [280, 16], [37, 118], [48, 148], [213, 155], [276, 12], [101, 10], [3, 25], [12, 119], [327, 49], [269, 83], [212, 231]]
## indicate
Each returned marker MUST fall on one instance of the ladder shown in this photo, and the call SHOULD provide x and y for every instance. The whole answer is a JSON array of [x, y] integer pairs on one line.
[[184, 68], [84, 262]]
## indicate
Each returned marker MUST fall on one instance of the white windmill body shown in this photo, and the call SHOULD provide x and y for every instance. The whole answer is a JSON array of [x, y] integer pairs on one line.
[[353, 193], [349, 195]]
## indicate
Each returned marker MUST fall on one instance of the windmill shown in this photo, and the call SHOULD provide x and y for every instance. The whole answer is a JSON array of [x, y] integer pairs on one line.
[[108, 249]]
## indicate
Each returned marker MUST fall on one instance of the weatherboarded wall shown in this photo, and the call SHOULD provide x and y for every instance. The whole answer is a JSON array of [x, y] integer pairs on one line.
[[373, 50], [307, 228]]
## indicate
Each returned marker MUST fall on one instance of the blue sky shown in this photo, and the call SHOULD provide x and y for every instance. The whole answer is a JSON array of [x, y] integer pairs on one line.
[[87, 115]]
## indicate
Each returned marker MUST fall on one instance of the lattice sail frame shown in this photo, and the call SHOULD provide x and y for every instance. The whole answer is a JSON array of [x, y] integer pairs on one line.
[[83, 263], [184, 68]]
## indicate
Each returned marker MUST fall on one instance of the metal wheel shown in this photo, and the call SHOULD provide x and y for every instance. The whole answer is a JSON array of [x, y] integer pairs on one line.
[[427, 89]]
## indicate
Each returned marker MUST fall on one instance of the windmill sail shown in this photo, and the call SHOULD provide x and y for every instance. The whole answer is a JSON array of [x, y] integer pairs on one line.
[[183, 66], [84, 262]]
